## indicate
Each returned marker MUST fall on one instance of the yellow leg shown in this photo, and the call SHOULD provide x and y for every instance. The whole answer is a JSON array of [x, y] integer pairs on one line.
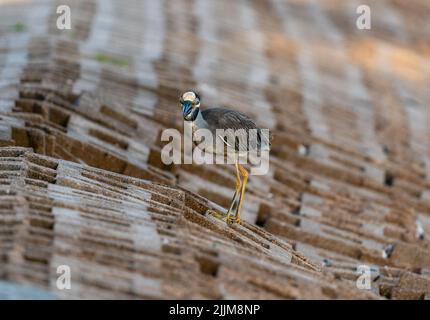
[[245, 180], [236, 217], [234, 202], [238, 181]]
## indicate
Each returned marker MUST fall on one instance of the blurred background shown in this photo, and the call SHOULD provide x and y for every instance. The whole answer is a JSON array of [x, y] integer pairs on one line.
[[350, 164]]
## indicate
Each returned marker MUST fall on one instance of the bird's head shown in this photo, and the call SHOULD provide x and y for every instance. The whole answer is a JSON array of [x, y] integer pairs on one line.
[[190, 102]]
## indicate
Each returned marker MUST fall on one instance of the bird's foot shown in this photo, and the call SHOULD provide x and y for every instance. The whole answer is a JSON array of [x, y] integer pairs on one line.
[[217, 214], [226, 217], [230, 219]]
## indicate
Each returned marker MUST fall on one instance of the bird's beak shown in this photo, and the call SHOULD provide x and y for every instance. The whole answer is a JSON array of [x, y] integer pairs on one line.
[[186, 108]]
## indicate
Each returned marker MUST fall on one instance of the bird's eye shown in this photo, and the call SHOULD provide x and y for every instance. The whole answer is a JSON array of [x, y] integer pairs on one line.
[[196, 101]]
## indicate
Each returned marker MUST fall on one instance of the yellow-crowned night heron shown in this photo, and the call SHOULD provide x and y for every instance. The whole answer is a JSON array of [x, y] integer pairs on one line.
[[237, 143]]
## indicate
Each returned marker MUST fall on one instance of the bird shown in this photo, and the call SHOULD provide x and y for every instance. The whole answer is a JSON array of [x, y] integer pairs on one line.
[[241, 138]]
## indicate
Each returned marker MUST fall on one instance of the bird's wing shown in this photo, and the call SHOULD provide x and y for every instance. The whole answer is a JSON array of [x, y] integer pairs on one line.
[[237, 127]]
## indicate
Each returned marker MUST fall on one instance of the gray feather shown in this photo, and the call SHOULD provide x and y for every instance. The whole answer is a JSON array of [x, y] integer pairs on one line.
[[220, 118]]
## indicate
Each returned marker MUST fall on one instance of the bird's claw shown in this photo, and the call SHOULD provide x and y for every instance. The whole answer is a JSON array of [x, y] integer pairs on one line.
[[232, 220], [217, 214], [226, 217]]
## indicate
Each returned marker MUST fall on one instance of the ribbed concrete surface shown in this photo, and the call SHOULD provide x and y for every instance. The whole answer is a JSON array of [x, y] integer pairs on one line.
[[82, 183]]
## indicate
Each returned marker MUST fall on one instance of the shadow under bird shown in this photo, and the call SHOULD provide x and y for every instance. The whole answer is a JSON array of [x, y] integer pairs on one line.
[[241, 137]]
